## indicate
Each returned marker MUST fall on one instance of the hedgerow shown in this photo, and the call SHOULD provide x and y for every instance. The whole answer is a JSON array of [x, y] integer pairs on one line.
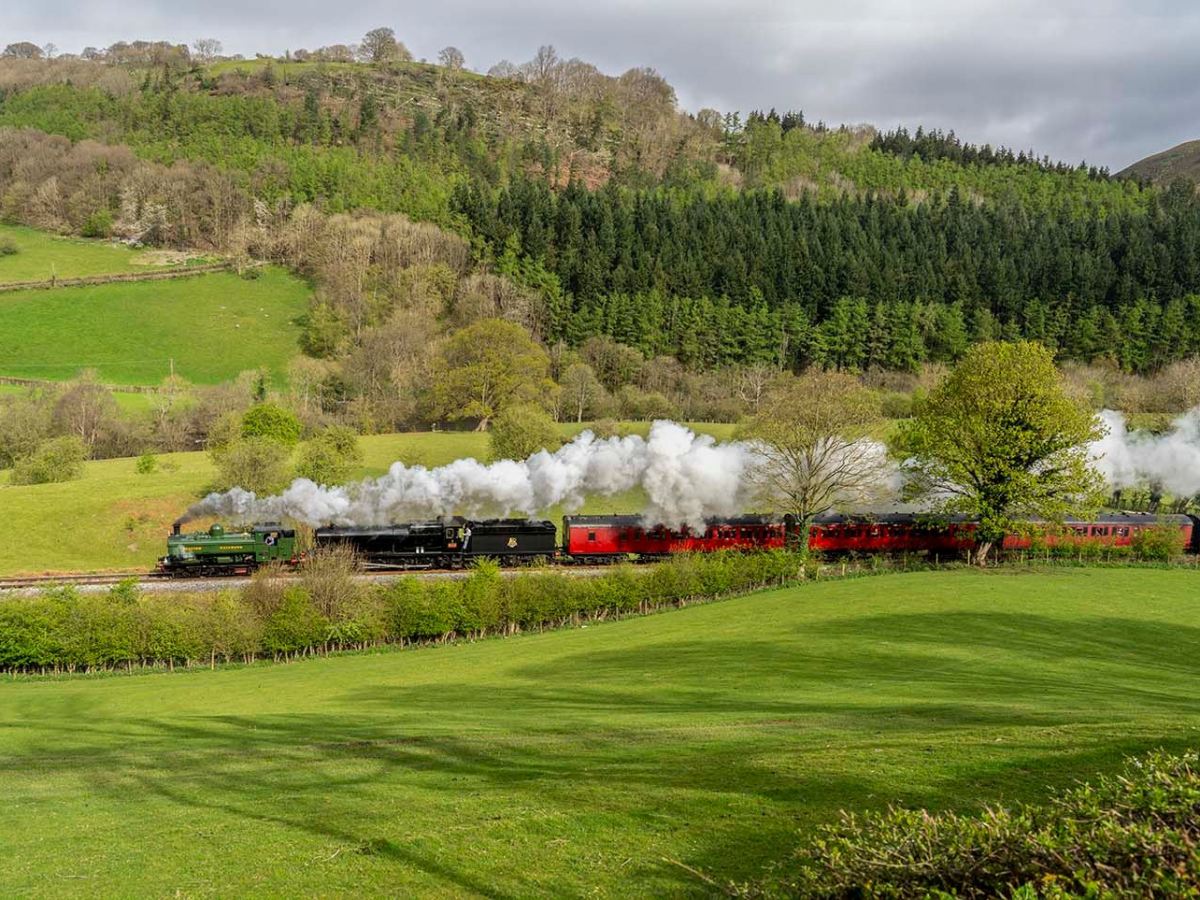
[[326, 609], [1136, 834]]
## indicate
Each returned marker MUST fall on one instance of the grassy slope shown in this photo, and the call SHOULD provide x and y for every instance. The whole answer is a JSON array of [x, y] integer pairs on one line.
[[114, 518], [43, 256], [1181, 161], [214, 326], [577, 762]]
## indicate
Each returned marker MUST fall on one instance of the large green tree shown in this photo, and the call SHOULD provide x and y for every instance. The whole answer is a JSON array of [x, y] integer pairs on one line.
[[1001, 440], [488, 366]]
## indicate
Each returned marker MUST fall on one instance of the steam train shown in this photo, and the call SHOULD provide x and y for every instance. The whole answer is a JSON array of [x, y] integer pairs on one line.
[[454, 543]]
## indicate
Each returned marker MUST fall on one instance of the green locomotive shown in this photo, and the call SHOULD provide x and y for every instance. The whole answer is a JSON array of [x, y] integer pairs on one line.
[[218, 552]]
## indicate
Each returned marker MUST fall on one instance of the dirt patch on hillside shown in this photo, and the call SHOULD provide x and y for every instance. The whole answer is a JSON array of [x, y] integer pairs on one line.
[[163, 258]]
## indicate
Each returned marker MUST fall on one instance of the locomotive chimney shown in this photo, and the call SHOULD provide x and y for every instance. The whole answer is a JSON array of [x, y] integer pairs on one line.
[[175, 528]]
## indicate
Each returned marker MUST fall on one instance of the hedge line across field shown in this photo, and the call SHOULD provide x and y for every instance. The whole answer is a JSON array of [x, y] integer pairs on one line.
[[326, 609]]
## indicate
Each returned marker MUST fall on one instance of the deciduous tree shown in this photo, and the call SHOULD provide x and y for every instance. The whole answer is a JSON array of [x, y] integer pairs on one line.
[[206, 49], [1001, 439], [582, 390], [330, 457], [811, 448], [256, 464], [23, 50], [380, 45], [486, 367], [452, 58], [521, 431], [272, 423]]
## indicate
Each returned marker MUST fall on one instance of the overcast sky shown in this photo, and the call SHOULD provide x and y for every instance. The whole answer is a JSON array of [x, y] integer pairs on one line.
[[1106, 80]]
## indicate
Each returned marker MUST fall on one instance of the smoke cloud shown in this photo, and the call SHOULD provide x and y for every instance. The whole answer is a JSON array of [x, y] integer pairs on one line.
[[1170, 461], [686, 478]]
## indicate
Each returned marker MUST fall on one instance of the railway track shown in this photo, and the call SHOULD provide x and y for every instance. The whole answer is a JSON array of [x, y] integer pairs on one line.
[[39, 581], [157, 581]]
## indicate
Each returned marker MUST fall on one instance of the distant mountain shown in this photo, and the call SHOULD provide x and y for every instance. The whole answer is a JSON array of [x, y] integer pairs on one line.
[[1182, 161]]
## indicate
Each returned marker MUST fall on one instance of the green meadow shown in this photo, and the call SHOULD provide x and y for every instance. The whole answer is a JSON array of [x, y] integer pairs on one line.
[[612, 760], [41, 257], [212, 326]]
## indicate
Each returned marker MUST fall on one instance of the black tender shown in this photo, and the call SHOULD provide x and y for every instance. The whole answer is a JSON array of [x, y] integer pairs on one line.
[[449, 543]]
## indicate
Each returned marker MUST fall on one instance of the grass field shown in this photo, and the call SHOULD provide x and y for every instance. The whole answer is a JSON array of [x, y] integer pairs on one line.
[[114, 518], [585, 761], [126, 402], [213, 326], [43, 256]]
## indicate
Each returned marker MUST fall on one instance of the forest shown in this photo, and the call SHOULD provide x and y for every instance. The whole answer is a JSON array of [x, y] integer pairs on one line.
[[610, 211]]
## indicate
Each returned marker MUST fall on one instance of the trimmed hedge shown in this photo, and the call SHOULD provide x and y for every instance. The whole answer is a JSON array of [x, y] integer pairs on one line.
[[63, 630], [1136, 834]]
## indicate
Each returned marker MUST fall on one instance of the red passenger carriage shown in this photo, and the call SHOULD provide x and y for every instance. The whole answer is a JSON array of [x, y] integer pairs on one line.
[[604, 539]]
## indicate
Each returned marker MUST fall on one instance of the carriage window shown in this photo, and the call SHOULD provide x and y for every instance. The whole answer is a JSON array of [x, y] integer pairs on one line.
[[591, 535], [1123, 532]]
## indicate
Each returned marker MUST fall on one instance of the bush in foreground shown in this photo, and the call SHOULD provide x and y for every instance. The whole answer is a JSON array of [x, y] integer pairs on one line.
[[1136, 834]]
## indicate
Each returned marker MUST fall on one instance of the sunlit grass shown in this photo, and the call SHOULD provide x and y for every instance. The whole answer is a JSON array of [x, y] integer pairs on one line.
[[601, 760]]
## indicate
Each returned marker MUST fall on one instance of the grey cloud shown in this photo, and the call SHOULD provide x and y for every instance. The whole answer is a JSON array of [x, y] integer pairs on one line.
[[1106, 80]]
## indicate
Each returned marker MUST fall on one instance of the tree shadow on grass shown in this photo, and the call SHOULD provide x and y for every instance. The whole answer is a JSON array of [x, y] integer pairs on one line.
[[714, 746]]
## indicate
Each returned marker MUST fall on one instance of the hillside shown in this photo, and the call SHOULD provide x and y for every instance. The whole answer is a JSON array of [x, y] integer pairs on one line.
[[1181, 161], [612, 759], [591, 206]]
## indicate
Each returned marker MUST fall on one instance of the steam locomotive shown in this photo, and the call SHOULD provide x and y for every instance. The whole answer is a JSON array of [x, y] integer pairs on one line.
[[454, 543]]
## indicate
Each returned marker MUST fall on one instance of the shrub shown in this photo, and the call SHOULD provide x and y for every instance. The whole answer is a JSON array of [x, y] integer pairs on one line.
[[227, 627], [58, 459], [1133, 835], [481, 604], [98, 225], [329, 577], [270, 422], [8, 247], [519, 432], [419, 610], [896, 405], [125, 592], [256, 464], [146, 464], [607, 428], [324, 331], [276, 614], [330, 457], [1160, 543], [264, 594], [295, 625]]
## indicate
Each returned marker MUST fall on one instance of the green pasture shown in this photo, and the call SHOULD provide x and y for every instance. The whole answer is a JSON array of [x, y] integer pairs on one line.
[[134, 403], [213, 327], [613, 760], [41, 257], [113, 518]]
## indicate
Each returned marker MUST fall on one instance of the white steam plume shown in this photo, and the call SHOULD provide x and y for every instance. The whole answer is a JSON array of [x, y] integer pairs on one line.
[[1134, 459], [686, 477]]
